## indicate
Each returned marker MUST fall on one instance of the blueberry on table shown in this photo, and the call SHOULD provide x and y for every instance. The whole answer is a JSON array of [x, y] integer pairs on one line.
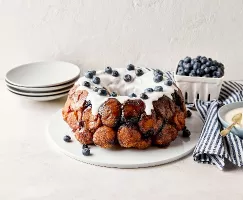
[[158, 78], [96, 80], [102, 92], [132, 95], [108, 70], [95, 89], [149, 90], [86, 84], [115, 73], [86, 151], [113, 94], [143, 96], [139, 72], [158, 89], [168, 82], [85, 146], [188, 113], [67, 138], [158, 72], [130, 67], [93, 72], [186, 132], [187, 59], [127, 78], [88, 74]]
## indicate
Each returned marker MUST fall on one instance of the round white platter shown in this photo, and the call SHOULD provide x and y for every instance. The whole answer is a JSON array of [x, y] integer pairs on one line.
[[38, 94], [42, 89], [41, 98], [124, 158], [43, 74]]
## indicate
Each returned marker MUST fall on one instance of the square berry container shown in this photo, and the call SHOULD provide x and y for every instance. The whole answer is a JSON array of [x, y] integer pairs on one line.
[[203, 88]]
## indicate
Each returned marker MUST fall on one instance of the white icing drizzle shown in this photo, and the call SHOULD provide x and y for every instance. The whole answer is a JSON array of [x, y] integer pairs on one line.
[[123, 89]]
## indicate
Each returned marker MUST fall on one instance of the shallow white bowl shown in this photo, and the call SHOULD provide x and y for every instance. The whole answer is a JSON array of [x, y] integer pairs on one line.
[[43, 74]]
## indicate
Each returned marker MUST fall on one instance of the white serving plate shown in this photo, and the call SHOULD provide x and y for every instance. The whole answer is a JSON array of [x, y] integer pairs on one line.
[[43, 74], [41, 98], [42, 89], [123, 158], [37, 94]]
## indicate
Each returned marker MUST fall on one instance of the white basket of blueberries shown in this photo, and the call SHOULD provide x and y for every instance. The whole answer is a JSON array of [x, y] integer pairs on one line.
[[199, 78]]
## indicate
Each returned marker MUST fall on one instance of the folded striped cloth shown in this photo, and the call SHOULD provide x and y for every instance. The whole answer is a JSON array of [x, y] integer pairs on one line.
[[212, 148]]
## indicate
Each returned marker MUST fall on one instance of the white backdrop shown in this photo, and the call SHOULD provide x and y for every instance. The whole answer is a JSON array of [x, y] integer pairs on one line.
[[96, 33]]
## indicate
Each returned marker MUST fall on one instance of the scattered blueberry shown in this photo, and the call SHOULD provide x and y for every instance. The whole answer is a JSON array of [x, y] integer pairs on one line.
[[143, 96], [168, 82], [113, 94], [93, 72], [186, 132], [95, 89], [149, 90], [130, 67], [132, 95], [86, 84], [115, 73], [187, 59], [207, 70], [102, 92], [108, 70], [86, 151], [127, 78], [158, 89], [188, 113], [96, 80], [88, 74], [158, 78], [85, 146], [158, 72], [139, 72], [67, 138]]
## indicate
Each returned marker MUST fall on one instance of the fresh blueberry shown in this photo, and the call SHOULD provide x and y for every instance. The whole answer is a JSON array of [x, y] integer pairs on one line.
[[186, 71], [93, 72], [86, 84], [168, 82], [158, 78], [203, 67], [115, 73], [187, 59], [215, 62], [96, 80], [180, 69], [188, 113], [203, 60], [213, 68], [180, 63], [210, 59], [95, 89], [108, 70], [219, 74], [143, 96], [192, 62], [181, 73], [193, 73], [139, 72], [102, 92], [85, 146], [158, 72], [200, 72], [67, 138], [207, 70], [113, 94], [208, 64], [86, 151], [186, 133], [198, 58], [149, 90], [132, 95], [188, 66], [130, 67], [196, 66], [214, 73], [88, 74], [158, 89], [207, 75], [127, 78]]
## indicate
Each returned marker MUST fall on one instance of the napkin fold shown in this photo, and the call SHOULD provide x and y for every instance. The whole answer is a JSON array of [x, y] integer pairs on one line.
[[212, 148]]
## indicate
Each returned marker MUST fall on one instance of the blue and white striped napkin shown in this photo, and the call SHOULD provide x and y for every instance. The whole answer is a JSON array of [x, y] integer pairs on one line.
[[212, 148]]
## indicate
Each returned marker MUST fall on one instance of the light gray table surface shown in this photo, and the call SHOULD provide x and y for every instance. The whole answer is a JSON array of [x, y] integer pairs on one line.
[[31, 169]]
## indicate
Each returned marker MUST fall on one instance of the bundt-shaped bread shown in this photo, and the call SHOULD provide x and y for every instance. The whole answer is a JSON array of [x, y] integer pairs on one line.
[[107, 120]]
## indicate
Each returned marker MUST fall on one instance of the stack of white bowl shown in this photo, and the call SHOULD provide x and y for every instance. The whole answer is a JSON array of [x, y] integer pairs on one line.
[[42, 81]]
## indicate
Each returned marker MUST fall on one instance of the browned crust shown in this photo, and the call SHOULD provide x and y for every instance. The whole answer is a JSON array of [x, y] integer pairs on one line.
[[84, 136], [104, 137], [90, 121]]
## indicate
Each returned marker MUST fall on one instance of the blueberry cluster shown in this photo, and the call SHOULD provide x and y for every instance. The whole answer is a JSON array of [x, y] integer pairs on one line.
[[201, 67]]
